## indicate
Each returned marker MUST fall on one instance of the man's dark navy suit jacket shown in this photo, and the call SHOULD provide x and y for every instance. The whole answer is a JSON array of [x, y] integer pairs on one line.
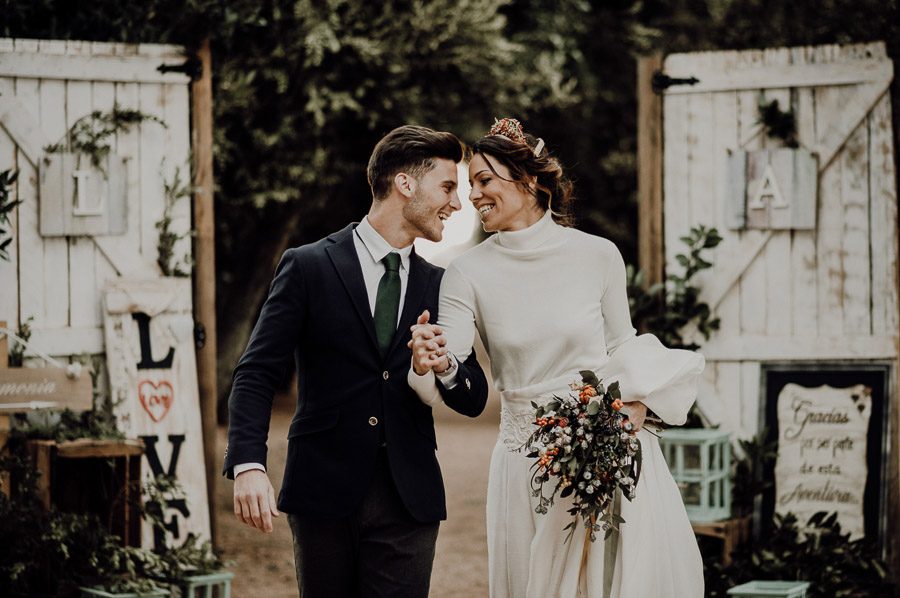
[[351, 399]]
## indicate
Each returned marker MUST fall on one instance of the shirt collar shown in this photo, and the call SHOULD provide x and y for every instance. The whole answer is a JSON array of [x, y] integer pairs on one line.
[[378, 247]]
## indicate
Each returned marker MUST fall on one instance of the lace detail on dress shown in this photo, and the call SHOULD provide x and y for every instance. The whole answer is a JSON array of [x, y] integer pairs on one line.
[[515, 427]]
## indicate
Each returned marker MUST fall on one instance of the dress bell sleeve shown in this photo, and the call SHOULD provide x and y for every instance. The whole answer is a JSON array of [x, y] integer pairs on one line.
[[456, 317], [665, 380]]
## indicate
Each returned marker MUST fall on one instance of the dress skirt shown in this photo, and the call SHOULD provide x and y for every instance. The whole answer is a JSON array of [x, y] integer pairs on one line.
[[654, 554]]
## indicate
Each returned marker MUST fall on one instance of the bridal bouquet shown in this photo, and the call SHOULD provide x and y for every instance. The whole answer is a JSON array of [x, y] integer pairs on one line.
[[585, 447]]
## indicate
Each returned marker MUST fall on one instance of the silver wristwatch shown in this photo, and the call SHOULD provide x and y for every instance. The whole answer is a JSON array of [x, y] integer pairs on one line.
[[450, 369]]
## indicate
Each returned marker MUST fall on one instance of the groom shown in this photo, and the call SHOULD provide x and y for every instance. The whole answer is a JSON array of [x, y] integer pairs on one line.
[[362, 487]]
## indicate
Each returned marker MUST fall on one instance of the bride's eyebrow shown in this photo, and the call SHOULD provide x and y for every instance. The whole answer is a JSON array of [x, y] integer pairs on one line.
[[476, 175]]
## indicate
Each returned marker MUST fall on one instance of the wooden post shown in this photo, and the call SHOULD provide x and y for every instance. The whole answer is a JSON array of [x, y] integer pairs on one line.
[[5, 423], [651, 246], [893, 477], [205, 268]]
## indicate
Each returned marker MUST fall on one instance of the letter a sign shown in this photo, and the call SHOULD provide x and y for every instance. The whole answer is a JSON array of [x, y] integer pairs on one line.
[[149, 331]]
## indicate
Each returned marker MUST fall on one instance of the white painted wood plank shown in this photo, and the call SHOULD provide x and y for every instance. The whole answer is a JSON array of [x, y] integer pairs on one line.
[[753, 280], [709, 401], [803, 75], [700, 204], [26, 45], [750, 398], [18, 120], [152, 153], [855, 239], [9, 280], [675, 183], [52, 101], [60, 342], [855, 107], [125, 250], [728, 390], [178, 144], [32, 297], [125, 259], [804, 280], [8, 44], [137, 69], [829, 105], [769, 348], [726, 138], [777, 252], [883, 220]]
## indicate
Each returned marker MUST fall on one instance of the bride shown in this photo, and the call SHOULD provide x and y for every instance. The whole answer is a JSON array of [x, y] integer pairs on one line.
[[548, 301]]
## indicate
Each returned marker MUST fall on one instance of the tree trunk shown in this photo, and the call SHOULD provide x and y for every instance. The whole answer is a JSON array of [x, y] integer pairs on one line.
[[240, 313]]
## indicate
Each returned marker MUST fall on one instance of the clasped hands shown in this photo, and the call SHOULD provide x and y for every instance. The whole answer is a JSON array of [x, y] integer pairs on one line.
[[429, 346]]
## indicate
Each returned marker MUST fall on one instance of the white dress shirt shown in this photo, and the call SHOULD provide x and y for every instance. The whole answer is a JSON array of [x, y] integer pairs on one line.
[[370, 249]]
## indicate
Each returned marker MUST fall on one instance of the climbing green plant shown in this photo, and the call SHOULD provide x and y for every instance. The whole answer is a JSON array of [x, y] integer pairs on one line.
[[175, 190], [91, 134], [7, 205], [666, 309]]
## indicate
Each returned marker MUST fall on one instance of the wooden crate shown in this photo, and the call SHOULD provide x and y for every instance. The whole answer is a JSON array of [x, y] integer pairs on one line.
[[732, 532], [101, 477]]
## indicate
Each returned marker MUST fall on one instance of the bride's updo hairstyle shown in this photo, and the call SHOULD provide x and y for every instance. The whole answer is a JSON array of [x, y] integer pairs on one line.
[[526, 156]]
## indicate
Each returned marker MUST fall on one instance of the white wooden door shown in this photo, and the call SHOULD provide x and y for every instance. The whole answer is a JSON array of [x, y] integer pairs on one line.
[[45, 86], [824, 294], [59, 282]]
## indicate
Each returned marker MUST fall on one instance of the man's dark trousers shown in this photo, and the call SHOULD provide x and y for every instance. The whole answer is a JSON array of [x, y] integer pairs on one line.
[[358, 430]]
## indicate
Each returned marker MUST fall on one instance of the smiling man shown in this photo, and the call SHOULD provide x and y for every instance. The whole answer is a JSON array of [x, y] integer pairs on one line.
[[362, 486]]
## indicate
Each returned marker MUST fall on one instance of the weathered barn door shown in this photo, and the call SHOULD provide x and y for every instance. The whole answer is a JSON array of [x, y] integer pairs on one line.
[[805, 281], [828, 292], [77, 237]]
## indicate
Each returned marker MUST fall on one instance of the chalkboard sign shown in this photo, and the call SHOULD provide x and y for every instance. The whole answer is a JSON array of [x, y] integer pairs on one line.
[[825, 408]]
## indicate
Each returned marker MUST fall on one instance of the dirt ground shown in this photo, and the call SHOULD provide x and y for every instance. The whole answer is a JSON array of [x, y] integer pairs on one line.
[[263, 564]]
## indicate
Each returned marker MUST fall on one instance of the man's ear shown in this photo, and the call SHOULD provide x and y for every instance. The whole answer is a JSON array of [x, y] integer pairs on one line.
[[405, 184]]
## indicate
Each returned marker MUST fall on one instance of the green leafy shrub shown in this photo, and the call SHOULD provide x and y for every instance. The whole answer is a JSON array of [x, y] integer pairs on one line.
[[821, 554]]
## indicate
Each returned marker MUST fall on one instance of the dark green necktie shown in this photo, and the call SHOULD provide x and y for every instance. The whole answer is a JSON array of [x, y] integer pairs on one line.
[[387, 301]]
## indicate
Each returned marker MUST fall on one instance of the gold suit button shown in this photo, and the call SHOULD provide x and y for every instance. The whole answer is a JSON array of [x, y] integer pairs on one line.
[[373, 421]]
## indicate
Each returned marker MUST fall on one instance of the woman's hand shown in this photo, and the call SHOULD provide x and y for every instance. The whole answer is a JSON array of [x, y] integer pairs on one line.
[[636, 412], [429, 346]]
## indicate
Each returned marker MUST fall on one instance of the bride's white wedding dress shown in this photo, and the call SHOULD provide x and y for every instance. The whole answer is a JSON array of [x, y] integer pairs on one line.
[[549, 301]]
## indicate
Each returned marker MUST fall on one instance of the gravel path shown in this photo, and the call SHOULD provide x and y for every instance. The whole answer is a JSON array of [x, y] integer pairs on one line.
[[263, 564]]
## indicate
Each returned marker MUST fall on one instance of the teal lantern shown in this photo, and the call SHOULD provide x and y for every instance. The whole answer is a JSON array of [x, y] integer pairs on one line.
[[700, 461], [206, 586], [770, 589]]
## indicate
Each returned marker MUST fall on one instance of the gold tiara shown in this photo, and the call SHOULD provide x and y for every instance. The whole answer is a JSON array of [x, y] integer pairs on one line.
[[511, 129]]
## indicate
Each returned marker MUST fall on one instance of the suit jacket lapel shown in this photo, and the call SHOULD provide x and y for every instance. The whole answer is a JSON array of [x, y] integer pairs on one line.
[[416, 285], [346, 261]]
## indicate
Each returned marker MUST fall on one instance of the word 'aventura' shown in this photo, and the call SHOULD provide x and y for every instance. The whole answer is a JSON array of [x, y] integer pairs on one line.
[[825, 493], [44, 387]]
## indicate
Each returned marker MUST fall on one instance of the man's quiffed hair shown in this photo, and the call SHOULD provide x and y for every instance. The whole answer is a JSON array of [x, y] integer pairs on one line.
[[410, 149]]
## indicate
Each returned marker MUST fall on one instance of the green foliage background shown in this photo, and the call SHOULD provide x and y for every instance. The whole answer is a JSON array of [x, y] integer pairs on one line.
[[304, 88]]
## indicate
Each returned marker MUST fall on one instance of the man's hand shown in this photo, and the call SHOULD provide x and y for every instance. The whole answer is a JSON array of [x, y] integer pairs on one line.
[[254, 499], [636, 412], [429, 346]]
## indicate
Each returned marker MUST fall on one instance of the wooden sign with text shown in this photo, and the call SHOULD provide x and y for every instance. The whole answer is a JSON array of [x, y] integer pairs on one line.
[[821, 462], [150, 354], [24, 389]]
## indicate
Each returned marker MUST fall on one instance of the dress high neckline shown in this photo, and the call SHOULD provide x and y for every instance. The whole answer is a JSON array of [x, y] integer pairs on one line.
[[532, 237]]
